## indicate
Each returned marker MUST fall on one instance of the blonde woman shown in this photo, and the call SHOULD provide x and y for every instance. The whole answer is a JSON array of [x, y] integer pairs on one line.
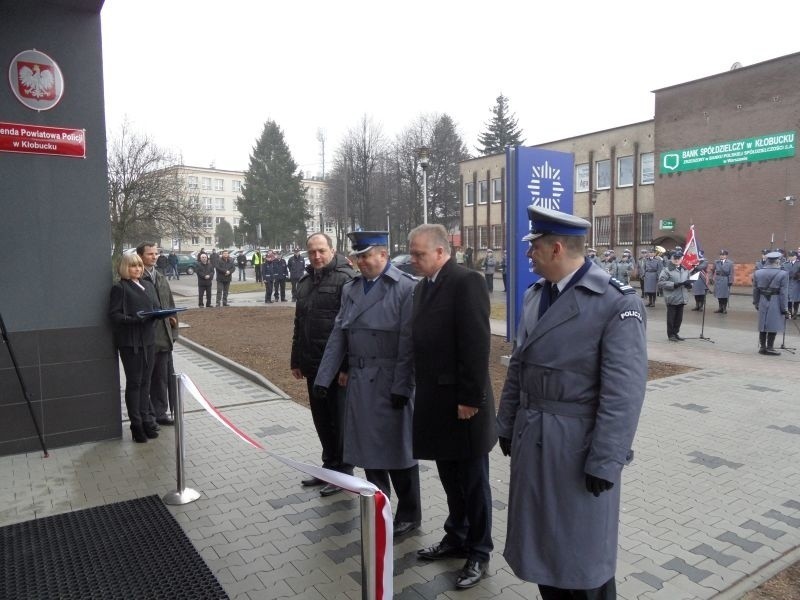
[[134, 337]]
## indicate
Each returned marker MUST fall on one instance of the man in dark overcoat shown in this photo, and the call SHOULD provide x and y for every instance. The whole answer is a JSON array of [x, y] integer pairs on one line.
[[771, 299], [370, 352], [454, 416], [568, 414]]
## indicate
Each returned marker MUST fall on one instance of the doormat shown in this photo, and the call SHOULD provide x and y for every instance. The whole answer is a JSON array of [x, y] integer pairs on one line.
[[126, 550]]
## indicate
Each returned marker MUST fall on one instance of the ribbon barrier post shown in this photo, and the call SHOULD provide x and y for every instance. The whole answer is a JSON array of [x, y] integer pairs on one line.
[[376, 510], [182, 495], [367, 501]]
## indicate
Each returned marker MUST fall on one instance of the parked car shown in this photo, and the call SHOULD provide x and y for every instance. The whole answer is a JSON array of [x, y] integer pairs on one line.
[[403, 262], [303, 253], [187, 264]]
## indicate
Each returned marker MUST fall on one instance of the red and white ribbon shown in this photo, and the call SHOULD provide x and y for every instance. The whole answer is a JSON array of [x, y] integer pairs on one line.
[[384, 560]]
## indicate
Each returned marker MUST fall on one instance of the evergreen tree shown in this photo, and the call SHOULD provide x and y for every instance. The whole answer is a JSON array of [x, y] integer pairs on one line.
[[447, 150], [501, 131], [273, 193], [224, 234]]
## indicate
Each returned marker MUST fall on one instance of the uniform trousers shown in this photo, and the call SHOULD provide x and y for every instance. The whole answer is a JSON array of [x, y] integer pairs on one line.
[[489, 281], [328, 416], [406, 484], [469, 502], [674, 318], [607, 591], [159, 384], [269, 286], [138, 367], [280, 289]]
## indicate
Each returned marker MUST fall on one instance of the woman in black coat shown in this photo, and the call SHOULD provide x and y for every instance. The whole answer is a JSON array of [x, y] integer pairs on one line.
[[134, 337], [205, 277]]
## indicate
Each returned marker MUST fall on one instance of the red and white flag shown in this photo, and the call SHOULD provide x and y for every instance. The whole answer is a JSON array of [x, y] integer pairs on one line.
[[690, 253]]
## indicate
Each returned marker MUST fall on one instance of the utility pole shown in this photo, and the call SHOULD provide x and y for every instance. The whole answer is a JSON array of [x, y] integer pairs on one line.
[[346, 177]]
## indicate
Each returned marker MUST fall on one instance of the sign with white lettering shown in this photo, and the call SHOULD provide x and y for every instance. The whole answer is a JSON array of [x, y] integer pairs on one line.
[[766, 147], [38, 139]]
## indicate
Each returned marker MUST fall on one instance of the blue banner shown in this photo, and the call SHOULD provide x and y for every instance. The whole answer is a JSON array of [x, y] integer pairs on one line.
[[533, 176]]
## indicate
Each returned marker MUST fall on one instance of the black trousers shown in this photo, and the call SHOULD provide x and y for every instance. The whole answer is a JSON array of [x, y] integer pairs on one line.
[[138, 367], [204, 290], [222, 291], [294, 287], [489, 281], [280, 287], [674, 318], [269, 285], [159, 384], [607, 591], [328, 416], [469, 502], [406, 484], [258, 273]]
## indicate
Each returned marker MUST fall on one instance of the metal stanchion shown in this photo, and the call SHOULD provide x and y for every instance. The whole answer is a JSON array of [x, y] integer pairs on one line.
[[182, 495], [368, 568]]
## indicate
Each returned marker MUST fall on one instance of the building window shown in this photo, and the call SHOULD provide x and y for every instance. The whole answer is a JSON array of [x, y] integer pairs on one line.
[[236, 186], [624, 230], [469, 237], [602, 230], [207, 222], [205, 183], [194, 201], [219, 203], [219, 185], [236, 221], [483, 192], [497, 237], [624, 171], [195, 240], [469, 194], [646, 228], [582, 177], [218, 220], [603, 174], [207, 241], [191, 182], [483, 236], [208, 203], [497, 190], [648, 172]]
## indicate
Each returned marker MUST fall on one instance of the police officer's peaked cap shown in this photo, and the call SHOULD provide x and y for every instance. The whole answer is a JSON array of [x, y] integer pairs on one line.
[[765, 251], [677, 254], [363, 241], [723, 251], [591, 250], [774, 255], [545, 221], [626, 252]]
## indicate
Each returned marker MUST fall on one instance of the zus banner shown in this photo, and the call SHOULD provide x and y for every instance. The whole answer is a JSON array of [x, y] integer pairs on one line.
[[539, 177]]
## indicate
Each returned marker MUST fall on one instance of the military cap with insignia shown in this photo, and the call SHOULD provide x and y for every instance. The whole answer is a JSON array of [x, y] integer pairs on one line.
[[677, 254], [774, 255], [363, 241], [723, 251], [545, 221]]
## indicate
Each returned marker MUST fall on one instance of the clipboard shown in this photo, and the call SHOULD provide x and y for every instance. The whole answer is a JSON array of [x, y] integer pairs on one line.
[[160, 313]]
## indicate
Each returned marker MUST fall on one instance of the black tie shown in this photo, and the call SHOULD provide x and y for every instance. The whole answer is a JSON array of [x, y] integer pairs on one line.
[[553, 293]]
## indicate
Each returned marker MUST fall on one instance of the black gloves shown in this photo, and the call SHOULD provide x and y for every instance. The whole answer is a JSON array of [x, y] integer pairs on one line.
[[688, 284], [505, 445], [596, 486], [399, 402], [320, 391]]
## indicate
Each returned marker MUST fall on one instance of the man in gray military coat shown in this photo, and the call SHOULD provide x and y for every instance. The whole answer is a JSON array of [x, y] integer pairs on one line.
[[568, 414], [771, 299], [723, 280], [370, 350]]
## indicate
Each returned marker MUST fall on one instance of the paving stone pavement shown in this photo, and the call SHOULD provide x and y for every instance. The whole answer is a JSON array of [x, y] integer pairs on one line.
[[711, 500]]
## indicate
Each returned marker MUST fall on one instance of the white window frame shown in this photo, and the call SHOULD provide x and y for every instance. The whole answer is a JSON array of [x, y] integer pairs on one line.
[[219, 203], [219, 185], [603, 167], [205, 183], [582, 177], [207, 241], [218, 220], [647, 168], [236, 186], [496, 190], [469, 194], [207, 223], [483, 191], [625, 175], [191, 182], [625, 222], [208, 203]]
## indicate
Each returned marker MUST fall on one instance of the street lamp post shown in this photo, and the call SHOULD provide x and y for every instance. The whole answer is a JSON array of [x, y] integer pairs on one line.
[[423, 155], [389, 234]]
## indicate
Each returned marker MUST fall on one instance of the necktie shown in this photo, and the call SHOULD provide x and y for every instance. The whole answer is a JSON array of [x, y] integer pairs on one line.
[[554, 293]]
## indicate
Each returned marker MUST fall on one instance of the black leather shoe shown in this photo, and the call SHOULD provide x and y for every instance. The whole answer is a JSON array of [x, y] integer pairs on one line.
[[165, 420], [679, 338], [150, 431], [772, 352], [330, 490], [440, 551], [403, 527], [673, 338], [471, 574], [311, 481]]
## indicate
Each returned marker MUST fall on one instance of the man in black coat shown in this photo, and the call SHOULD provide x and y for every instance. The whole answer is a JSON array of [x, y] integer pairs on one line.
[[297, 267], [454, 416], [241, 263]]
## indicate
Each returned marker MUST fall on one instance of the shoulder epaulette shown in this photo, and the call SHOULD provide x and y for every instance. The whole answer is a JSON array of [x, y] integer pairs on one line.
[[409, 275], [622, 288]]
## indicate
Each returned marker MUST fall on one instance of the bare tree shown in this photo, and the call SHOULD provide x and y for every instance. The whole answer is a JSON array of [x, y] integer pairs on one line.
[[146, 193]]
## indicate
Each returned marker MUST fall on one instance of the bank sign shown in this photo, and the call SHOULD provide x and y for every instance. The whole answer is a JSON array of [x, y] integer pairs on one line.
[[766, 147]]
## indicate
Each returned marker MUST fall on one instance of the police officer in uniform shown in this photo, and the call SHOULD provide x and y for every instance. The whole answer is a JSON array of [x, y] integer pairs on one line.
[[624, 268], [674, 282], [771, 297], [760, 264], [792, 268], [370, 351], [652, 268], [723, 280], [700, 285], [568, 414]]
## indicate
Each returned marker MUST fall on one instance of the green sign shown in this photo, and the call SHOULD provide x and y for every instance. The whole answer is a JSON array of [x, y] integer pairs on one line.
[[774, 145], [666, 224]]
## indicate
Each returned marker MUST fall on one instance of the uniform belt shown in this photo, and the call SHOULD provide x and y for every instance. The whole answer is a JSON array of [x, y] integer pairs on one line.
[[565, 409], [361, 362]]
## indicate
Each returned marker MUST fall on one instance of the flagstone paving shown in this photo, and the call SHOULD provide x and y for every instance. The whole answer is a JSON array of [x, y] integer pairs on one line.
[[710, 505]]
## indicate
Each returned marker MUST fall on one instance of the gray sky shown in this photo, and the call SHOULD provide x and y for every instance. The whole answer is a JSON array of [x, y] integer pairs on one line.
[[202, 77]]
